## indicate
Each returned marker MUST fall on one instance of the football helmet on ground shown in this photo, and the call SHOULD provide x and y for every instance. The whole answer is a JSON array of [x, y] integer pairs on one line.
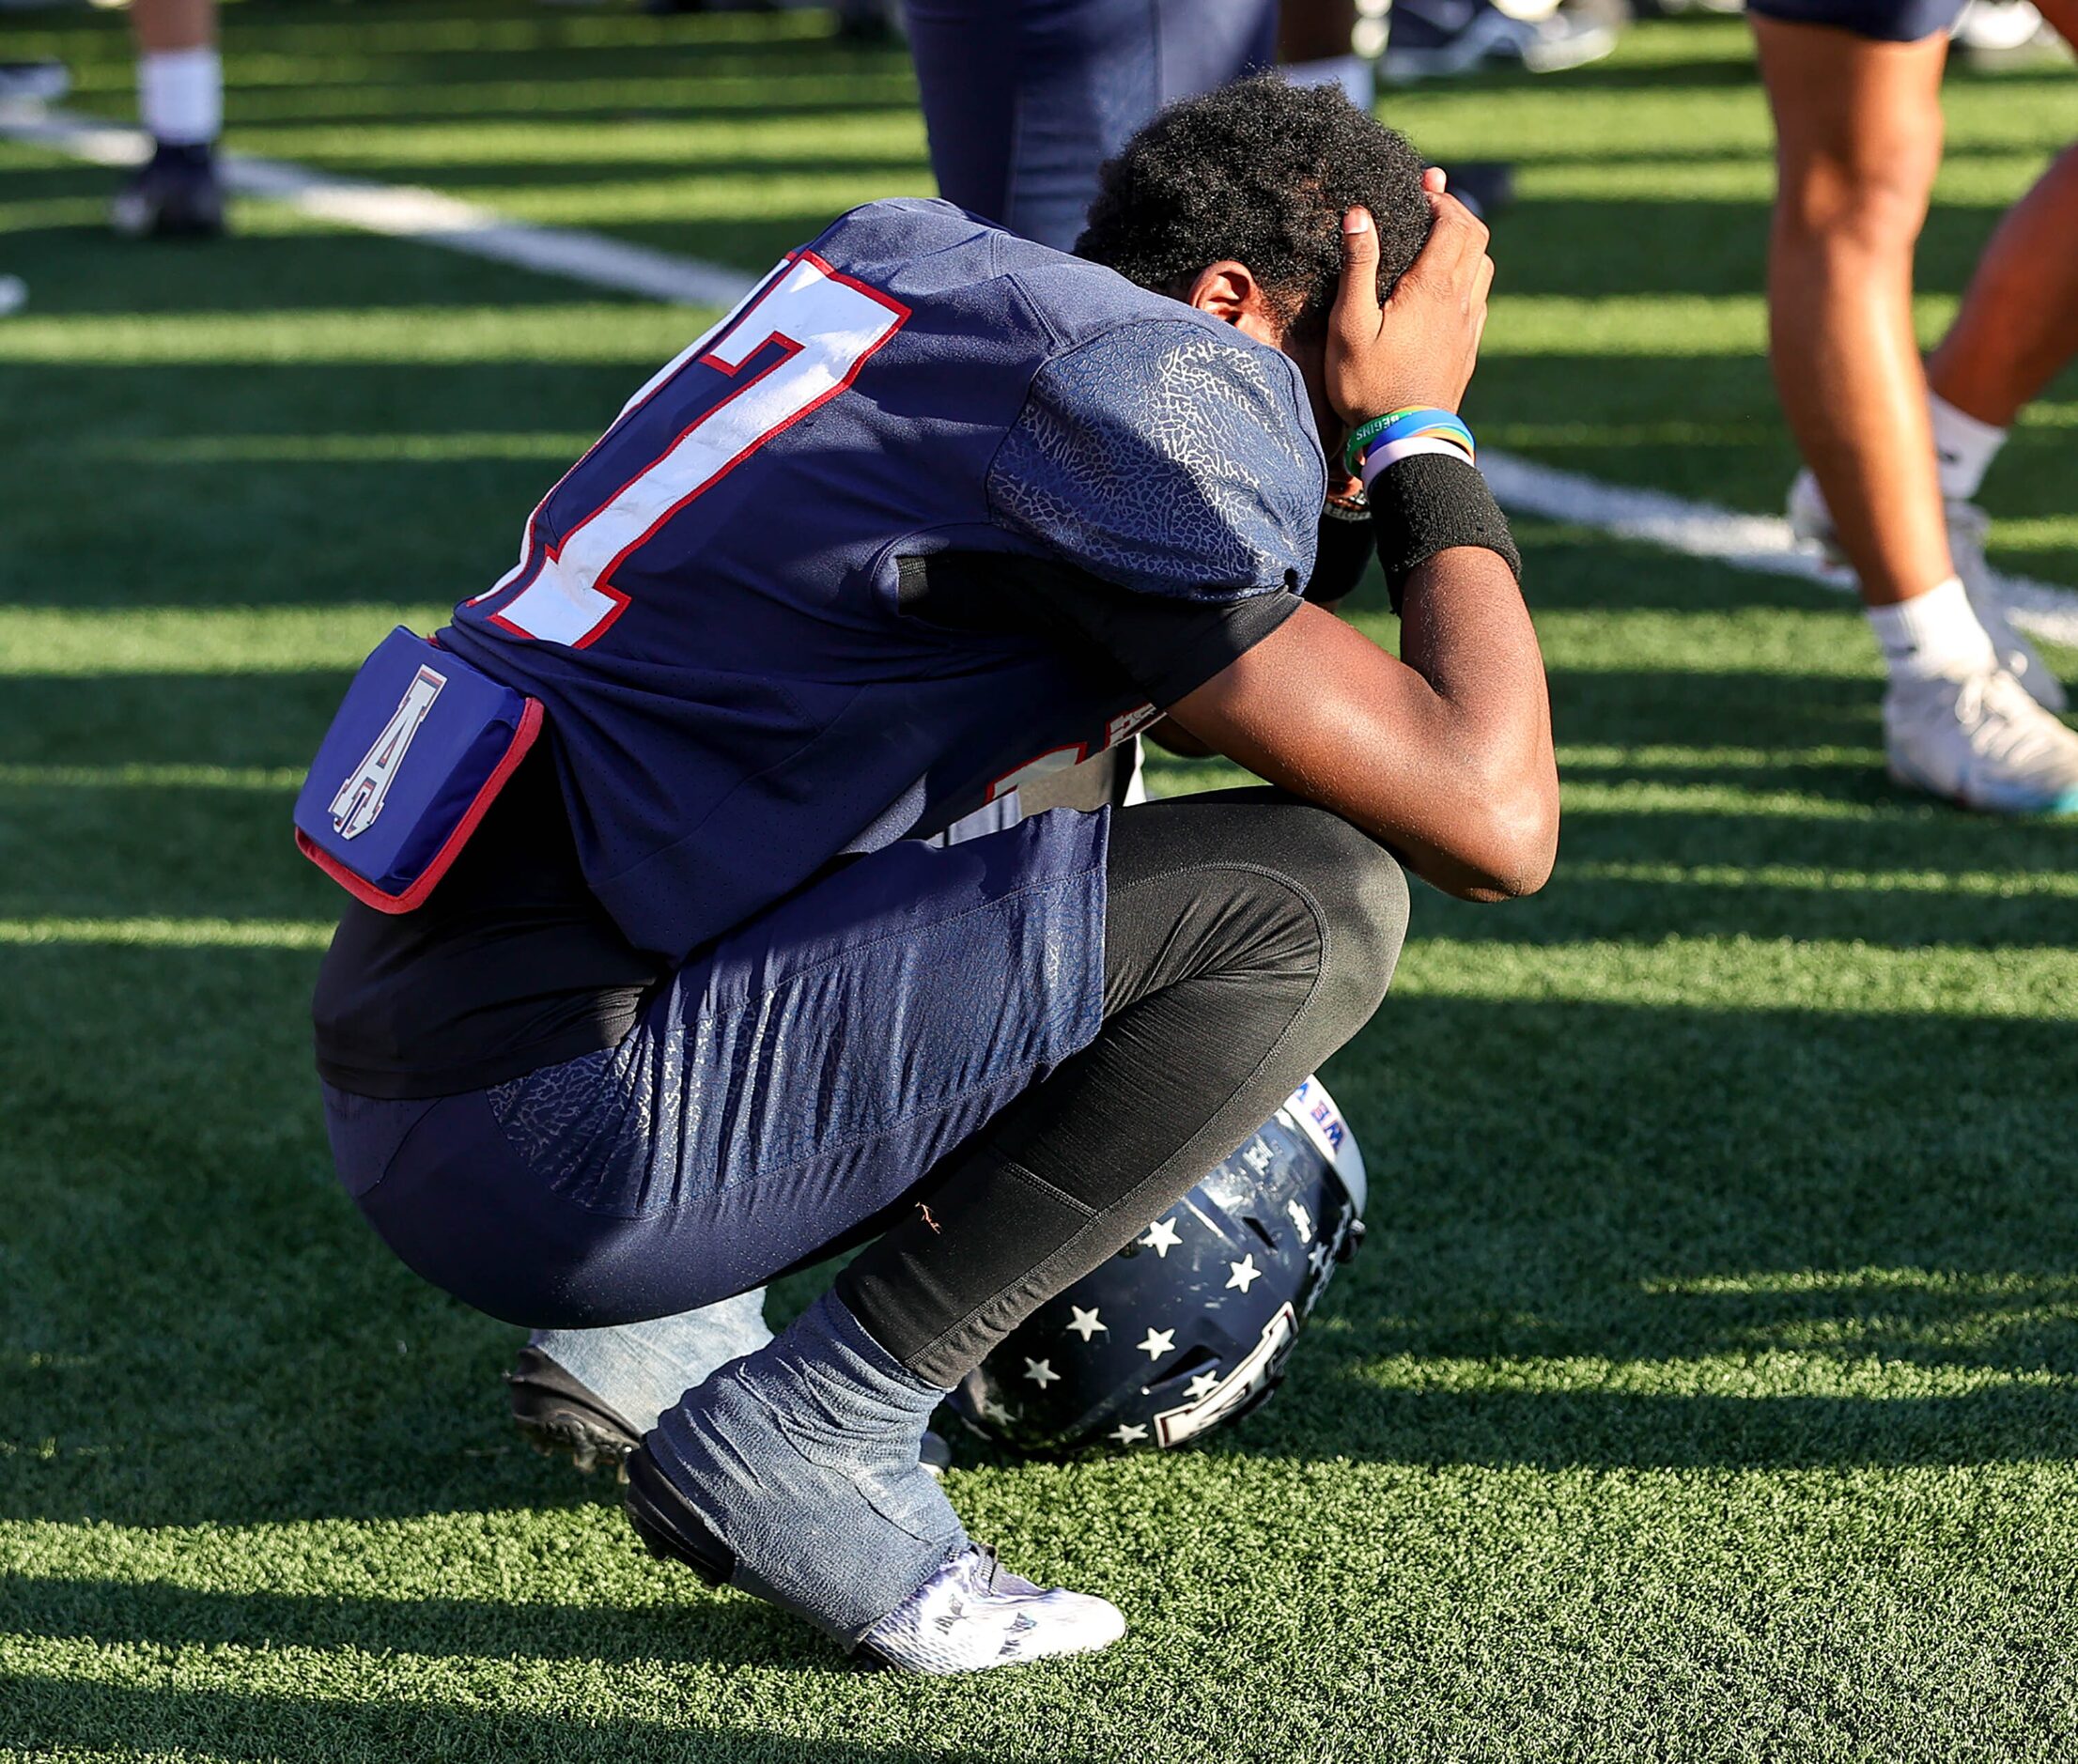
[[1192, 1322]]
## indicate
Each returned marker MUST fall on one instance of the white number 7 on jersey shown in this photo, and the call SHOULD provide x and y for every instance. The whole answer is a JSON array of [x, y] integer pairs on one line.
[[824, 327]]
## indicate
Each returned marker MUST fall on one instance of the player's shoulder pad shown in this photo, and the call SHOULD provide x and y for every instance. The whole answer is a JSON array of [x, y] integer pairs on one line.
[[1169, 455], [916, 245]]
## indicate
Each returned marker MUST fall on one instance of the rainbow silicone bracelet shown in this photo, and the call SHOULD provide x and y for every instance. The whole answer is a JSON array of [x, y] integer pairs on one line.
[[1406, 425], [1447, 425]]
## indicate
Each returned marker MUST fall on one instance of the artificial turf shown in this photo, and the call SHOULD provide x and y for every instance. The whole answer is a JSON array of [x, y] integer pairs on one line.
[[1705, 1390]]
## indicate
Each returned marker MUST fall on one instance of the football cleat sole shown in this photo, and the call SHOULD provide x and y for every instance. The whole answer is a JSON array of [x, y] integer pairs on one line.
[[560, 1417]]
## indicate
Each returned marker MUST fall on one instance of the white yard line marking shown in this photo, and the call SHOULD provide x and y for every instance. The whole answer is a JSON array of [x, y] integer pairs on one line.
[[402, 211], [1761, 543]]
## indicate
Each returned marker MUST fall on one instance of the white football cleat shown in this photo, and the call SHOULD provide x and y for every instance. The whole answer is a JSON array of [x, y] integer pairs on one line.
[[974, 1614], [1811, 525], [1981, 741]]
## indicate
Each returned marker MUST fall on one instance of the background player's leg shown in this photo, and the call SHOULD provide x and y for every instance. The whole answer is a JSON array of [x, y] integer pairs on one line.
[[2016, 330], [1316, 43], [2018, 326], [1858, 141], [1023, 99], [173, 26], [1203, 44], [966, 60], [180, 103]]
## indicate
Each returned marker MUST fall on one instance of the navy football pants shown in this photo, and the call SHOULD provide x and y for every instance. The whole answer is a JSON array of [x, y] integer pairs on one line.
[[1025, 99], [965, 1087]]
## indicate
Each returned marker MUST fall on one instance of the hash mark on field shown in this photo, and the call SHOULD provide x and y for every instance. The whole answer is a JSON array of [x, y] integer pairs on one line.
[[149, 777], [171, 934], [1759, 543]]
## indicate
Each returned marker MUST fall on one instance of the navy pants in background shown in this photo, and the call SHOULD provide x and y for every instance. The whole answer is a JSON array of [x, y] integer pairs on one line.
[[1025, 99]]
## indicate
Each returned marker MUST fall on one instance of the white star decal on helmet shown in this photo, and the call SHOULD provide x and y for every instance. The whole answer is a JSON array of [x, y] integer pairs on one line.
[[1127, 1433], [1161, 1238], [1158, 1343], [1205, 1381], [1041, 1372], [1086, 1323], [1318, 1257], [1243, 1274]]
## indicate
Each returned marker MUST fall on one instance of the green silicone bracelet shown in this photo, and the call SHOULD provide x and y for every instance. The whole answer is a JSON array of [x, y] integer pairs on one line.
[[1352, 454]]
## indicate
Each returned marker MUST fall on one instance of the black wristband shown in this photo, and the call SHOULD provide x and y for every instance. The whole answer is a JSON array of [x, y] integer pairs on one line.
[[1428, 504]]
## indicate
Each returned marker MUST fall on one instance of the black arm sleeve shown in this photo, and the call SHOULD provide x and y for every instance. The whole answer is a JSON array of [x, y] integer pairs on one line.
[[1345, 550]]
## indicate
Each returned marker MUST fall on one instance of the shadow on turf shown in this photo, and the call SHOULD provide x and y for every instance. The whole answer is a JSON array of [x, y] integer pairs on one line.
[[1536, 1168], [1585, 248], [717, 1630], [44, 1716], [159, 852], [1620, 75], [1646, 911]]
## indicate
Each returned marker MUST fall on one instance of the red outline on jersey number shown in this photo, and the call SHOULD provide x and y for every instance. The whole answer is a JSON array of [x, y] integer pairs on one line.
[[602, 583]]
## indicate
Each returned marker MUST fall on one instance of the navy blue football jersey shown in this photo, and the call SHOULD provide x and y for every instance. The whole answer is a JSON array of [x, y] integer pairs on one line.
[[715, 602]]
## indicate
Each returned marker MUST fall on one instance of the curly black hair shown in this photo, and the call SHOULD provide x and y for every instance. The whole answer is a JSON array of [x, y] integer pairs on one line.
[[1261, 172]]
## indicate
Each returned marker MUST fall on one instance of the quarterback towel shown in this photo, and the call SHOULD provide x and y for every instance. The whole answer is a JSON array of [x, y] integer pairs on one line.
[[421, 745]]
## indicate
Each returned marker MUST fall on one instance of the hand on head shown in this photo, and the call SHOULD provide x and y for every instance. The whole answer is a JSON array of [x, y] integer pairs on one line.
[[1420, 348]]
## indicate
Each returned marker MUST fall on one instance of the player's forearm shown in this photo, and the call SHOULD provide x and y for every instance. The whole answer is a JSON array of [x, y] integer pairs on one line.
[[1465, 631], [1446, 757]]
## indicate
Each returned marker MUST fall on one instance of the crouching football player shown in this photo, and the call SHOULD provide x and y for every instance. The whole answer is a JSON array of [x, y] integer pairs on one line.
[[698, 1001]]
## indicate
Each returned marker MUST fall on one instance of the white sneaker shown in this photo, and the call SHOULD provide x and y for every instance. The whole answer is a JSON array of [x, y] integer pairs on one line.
[[1811, 525], [1980, 740], [1997, 26], [1967, 526], [973, 1614]]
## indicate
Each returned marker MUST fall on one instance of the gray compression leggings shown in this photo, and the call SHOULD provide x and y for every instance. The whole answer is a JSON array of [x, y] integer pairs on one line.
[[1248, 937]]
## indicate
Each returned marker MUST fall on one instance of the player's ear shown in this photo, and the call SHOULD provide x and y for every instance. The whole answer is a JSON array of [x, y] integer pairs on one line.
[[1228, 290]]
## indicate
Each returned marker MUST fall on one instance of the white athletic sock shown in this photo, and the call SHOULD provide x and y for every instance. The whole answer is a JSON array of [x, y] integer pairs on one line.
[[1352, 73], [180, 96], [1933, 633], [1963, 447]]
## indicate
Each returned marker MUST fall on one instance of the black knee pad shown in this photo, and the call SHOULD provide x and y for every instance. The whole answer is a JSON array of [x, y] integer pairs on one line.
[[1361, 893], [1270, 890]]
